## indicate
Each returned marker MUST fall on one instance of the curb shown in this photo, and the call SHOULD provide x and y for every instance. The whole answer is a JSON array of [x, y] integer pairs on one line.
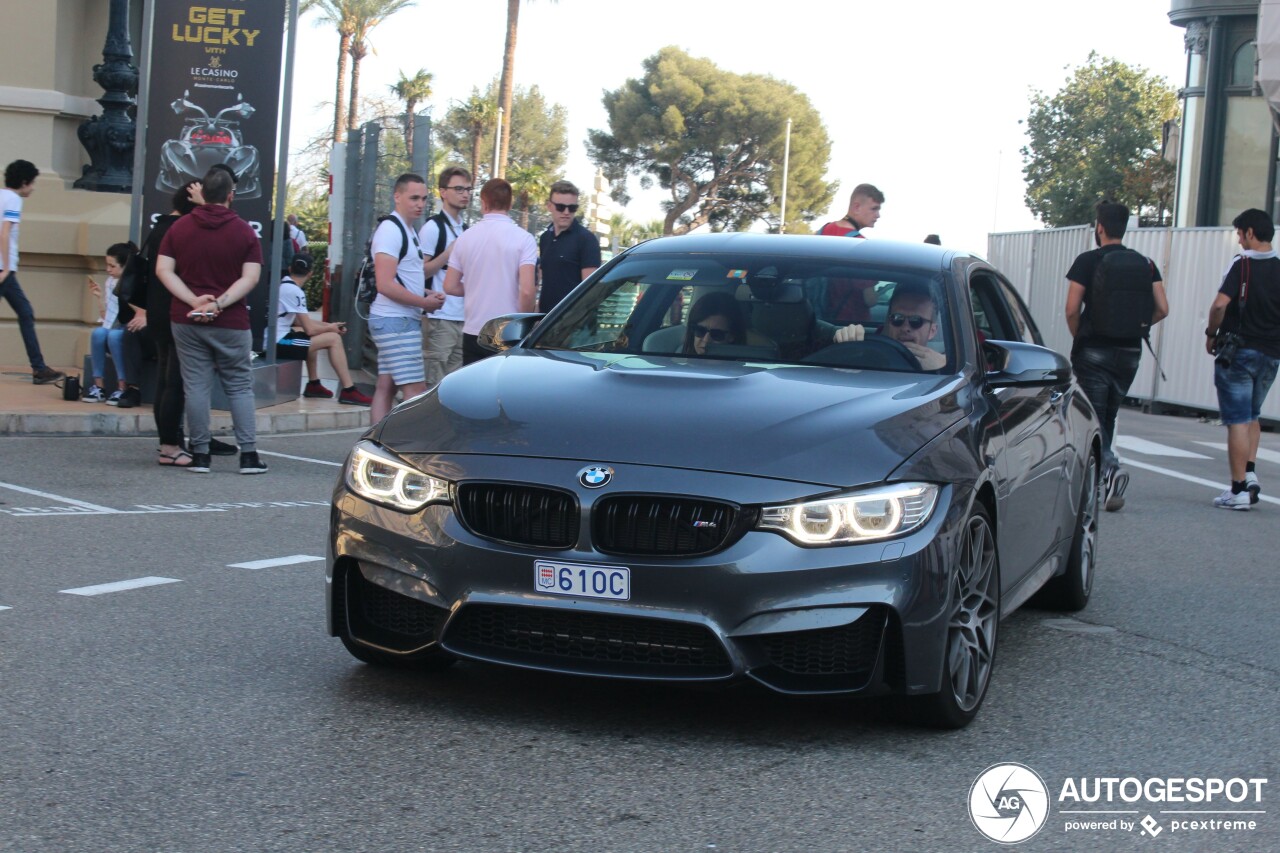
[[142, 423]]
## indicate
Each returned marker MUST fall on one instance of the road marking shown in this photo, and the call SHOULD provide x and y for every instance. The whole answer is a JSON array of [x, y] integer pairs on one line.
[[95, 508], [2, 607], [278, 561], [300, 458], [1150, 448], [119, 586], [1263, 453], [152, 509], [1199, 481]]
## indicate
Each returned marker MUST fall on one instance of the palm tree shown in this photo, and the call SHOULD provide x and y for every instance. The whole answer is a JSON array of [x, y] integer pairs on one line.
[[477, 113], [413, 91], [506, 87], [528, 184], [342, 14], [368, 14]]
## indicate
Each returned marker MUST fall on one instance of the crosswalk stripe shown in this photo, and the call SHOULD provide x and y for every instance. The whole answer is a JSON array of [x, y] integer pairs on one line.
[[1199, 481], [1263, 454], [1151, 448], [119, 586], [277, 561]]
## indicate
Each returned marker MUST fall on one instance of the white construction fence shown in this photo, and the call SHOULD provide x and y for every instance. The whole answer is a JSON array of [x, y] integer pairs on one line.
[[1192, 261]]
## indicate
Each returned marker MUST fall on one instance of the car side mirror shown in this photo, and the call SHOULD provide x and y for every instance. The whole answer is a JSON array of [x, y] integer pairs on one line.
[[1013, 364], [502, 333]]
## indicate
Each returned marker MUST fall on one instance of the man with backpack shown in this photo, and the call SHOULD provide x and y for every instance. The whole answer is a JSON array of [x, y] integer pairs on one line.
[[395, 315], [1243, 335], [1114, 297], [442, 333]]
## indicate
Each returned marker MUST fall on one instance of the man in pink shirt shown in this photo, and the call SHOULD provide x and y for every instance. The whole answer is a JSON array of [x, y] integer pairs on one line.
[[492, 264]]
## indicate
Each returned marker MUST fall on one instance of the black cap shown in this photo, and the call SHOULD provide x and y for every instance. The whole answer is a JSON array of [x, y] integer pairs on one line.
[[301, 265]]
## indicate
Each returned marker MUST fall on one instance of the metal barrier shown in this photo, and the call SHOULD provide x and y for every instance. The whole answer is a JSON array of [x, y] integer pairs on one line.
[[1192, 262]]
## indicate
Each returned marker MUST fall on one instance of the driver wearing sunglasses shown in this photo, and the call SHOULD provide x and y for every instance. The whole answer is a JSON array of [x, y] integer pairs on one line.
[[912, 321]]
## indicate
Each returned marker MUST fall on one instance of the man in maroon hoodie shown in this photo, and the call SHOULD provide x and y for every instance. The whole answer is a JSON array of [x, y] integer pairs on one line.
[[210, 260]]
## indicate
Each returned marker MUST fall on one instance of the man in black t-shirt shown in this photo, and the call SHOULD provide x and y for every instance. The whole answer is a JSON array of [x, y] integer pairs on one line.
[[567, 251], [1105, 366], [1247, 305]]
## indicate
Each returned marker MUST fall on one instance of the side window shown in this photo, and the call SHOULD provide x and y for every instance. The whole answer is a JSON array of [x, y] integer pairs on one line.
[[987, 316], [1022, 321]]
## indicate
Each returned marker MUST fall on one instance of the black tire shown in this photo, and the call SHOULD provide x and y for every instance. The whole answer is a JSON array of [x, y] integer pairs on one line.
[[1070, 590], [974, 626]]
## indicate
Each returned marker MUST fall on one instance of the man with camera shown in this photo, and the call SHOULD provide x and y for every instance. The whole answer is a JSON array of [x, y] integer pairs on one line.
[[1243, 335], [1114, 297]]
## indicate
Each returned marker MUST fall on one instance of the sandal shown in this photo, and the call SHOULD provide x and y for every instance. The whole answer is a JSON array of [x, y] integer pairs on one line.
[[181, 459]]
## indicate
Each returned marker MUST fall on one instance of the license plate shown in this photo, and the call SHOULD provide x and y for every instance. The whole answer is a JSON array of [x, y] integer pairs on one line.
[[613, 582]]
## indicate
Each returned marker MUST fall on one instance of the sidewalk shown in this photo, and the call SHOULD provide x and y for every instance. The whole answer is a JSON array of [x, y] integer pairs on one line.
[[27, 409]]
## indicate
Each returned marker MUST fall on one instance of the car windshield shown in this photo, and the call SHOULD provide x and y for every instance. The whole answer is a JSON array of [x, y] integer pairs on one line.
[[761, 310]]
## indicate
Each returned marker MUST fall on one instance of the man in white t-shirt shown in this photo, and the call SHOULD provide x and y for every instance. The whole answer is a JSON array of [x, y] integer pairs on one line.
[[493, 266], [299, 337], [19, 183], [395, 317], [442, 332], [297, 237]]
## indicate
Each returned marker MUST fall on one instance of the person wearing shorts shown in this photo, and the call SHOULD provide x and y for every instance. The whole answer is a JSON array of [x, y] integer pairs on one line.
[[1247, 305], [300, 338], [395, 317]]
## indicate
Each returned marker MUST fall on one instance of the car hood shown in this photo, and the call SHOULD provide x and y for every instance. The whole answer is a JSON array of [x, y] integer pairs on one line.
[[811, 424]]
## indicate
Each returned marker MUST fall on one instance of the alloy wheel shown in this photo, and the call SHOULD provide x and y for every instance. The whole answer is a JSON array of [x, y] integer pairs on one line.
[[971, 640]]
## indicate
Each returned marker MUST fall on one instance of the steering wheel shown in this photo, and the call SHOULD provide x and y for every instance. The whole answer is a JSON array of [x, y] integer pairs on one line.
[[846, 354]]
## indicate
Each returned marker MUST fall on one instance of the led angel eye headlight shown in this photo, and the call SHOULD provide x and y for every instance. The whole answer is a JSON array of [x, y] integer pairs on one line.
[[862, 516], [377, 475]]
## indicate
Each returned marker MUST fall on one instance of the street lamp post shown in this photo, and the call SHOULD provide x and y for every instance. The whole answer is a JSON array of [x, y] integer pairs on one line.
[[109, 138]]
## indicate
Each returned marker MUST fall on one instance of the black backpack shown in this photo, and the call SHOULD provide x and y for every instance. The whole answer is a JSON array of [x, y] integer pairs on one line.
[[1121, 298], [366, 279]]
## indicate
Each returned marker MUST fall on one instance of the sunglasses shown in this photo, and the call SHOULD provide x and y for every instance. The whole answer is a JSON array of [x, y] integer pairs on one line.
[[717, 335], [561, 208], [915, 321]]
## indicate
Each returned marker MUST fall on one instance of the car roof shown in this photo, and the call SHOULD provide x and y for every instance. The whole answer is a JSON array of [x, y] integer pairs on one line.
[[887, 252]]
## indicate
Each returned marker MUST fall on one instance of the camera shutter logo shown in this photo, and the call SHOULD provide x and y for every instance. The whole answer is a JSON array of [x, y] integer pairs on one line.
[[595, 476], [1009, 803]]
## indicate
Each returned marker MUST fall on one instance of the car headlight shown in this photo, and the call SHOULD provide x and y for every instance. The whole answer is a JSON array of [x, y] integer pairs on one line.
[[376, 475], [862, 516]]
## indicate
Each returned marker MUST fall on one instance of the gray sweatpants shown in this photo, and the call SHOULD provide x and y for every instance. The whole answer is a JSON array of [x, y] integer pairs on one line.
[[205, 352]]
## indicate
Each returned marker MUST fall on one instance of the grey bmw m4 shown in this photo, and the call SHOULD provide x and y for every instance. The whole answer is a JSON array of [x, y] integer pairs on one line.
[[826, 465]]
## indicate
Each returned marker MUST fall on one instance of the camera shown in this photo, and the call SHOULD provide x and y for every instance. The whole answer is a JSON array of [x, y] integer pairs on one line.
[[1224, 348]]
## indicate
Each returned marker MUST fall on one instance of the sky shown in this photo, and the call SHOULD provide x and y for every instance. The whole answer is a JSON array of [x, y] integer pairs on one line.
[[925, 100]]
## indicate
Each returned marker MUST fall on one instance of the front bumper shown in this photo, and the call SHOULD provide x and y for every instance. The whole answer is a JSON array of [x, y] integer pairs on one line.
[[867, 618]]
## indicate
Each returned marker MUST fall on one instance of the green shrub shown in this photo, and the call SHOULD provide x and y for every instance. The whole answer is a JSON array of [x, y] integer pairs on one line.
[[315, 283]]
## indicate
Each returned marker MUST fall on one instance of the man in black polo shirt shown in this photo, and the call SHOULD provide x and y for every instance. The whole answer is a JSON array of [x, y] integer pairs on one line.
[[568, 252]]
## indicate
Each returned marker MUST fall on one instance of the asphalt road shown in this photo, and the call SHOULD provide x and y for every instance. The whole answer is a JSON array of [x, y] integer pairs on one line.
[[200, 706]]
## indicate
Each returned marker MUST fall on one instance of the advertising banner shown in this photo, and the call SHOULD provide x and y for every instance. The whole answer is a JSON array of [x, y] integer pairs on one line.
[[214, 97]]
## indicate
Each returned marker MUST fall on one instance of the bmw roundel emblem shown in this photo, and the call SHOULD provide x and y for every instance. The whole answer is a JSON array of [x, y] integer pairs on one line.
[[595, 476]]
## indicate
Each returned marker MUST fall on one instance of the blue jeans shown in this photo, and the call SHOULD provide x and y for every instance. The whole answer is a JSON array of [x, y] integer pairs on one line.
[[99, 340], [1105, 374], [12, 291], [1242, 387]]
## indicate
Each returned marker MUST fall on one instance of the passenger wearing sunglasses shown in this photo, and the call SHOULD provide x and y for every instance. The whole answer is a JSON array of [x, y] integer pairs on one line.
[[912, 321], [714, 319], [568, 252]]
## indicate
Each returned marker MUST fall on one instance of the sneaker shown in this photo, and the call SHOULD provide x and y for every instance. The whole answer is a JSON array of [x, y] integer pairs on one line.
[[114, 399], [1251, 483], [221, 448], [93, 394], [199, 463], [353, 396], [130, 398], [1232, 500], [251, 464], [316, 389], [45, 375], [1113, 487]]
